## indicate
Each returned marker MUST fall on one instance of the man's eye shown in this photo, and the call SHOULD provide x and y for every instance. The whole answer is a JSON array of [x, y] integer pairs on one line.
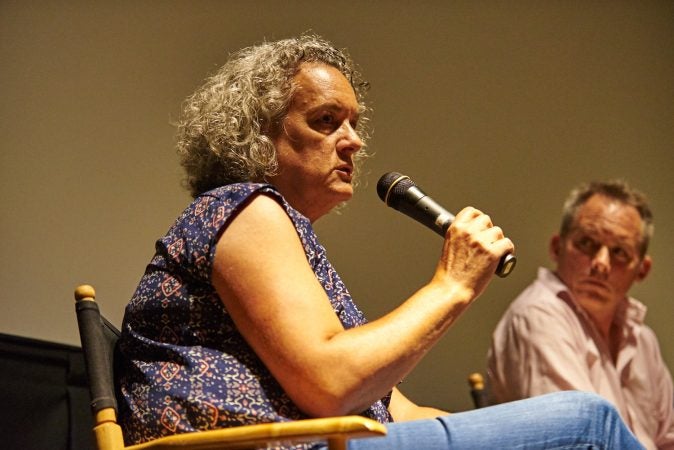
[[586, 244], [620, 254], [618, 251]]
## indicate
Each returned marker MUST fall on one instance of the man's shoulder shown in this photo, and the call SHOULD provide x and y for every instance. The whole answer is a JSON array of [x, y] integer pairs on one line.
[[540, 306], [647, 337], [538, 296]]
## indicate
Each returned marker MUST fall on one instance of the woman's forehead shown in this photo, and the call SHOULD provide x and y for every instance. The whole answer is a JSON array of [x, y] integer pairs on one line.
[[318, 82]]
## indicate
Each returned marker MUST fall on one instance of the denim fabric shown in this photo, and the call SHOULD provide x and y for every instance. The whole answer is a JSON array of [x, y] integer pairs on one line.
[[563, 420]]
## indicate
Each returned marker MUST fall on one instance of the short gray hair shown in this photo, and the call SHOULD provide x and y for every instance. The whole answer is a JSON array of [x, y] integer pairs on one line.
[[618, 190], [226, 127]]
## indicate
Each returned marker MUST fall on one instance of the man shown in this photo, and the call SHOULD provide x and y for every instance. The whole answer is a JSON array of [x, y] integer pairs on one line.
[[577, 328]]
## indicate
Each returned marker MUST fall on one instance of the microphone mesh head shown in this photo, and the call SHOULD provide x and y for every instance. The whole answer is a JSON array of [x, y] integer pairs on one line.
[[391, 187]]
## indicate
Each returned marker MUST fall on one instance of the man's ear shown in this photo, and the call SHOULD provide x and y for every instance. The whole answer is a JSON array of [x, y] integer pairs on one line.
[[644, 268], [554, 247]]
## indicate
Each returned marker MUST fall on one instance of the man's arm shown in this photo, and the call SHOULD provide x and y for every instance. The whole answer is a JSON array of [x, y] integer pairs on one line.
[[539, 350], [663, 386]]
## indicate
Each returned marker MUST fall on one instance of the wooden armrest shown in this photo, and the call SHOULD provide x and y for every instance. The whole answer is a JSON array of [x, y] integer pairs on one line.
[[251, 436]]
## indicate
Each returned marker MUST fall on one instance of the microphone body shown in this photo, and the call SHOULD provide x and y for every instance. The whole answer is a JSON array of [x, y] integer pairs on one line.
[[422, 208], [401, 194]]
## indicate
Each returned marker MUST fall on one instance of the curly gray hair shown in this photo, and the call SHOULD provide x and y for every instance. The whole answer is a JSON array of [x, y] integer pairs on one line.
[[617, 190], [226, 128]]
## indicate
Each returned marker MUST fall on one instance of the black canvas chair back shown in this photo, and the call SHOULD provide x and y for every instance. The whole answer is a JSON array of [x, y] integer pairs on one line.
[[99, 338]]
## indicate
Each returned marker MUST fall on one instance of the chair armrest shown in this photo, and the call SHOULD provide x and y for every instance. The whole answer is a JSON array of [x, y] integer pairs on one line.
[[251, 436]]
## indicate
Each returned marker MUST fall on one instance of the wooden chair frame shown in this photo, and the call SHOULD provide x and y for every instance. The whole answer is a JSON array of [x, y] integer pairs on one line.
[[477, 390]]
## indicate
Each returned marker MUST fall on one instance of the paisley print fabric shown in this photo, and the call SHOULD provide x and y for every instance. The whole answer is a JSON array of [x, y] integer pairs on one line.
[[183, 365]]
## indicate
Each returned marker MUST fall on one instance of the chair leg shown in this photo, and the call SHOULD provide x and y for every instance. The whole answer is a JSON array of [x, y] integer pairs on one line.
[[337, 444], [107, 433]]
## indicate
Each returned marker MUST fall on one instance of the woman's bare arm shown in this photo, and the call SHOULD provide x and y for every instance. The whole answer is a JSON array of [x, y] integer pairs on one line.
[[262, 276]]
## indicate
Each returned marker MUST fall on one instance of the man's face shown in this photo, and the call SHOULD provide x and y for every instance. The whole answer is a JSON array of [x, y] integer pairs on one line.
[[599, 260], [317, 141]]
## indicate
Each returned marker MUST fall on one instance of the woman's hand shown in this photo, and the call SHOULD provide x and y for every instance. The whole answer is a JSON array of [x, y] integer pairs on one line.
[[472, 249]]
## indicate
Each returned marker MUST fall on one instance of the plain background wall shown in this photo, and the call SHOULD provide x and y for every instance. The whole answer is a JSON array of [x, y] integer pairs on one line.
[[500, 105]]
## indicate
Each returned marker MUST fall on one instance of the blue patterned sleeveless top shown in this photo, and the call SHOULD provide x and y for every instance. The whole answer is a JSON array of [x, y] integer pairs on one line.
[[183, 365]]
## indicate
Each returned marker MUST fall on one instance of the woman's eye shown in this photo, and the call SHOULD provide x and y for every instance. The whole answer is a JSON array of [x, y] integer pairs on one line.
[[327, 118]]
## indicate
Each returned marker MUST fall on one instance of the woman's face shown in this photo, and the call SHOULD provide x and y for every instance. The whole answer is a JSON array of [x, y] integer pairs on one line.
[[317, 141]]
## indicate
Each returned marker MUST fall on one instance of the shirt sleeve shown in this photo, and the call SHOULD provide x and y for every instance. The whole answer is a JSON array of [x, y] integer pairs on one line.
[[662, 383], [539, 350]]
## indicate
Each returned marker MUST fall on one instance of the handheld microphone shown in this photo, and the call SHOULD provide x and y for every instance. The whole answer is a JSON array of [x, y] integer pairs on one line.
[[401, 194]]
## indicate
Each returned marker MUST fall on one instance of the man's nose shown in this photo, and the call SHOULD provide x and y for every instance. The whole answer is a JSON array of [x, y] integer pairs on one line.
[[601, 262]]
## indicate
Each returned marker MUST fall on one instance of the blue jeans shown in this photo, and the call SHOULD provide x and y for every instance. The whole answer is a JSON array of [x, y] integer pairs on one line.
[[563, 420]]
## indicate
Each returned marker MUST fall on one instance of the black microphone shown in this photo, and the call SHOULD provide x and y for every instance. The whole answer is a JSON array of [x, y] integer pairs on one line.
[[400, 193]]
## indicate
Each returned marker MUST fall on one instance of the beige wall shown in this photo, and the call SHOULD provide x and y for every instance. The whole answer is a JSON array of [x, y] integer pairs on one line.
[[500, 105]]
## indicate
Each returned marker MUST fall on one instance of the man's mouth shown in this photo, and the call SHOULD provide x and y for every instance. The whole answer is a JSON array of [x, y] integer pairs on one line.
[[596, 284]]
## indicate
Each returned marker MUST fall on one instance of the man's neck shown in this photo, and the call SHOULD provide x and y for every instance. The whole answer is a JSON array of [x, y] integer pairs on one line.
[[603, 316]]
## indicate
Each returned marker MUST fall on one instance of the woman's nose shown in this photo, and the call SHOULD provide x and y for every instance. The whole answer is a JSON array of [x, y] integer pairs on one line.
[[350, 140]]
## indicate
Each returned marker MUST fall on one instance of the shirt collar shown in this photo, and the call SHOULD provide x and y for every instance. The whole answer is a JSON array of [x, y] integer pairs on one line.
[[630, 313]]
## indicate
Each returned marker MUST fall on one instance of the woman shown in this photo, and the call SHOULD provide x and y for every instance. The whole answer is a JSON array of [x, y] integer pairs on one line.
[[240, 318]]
